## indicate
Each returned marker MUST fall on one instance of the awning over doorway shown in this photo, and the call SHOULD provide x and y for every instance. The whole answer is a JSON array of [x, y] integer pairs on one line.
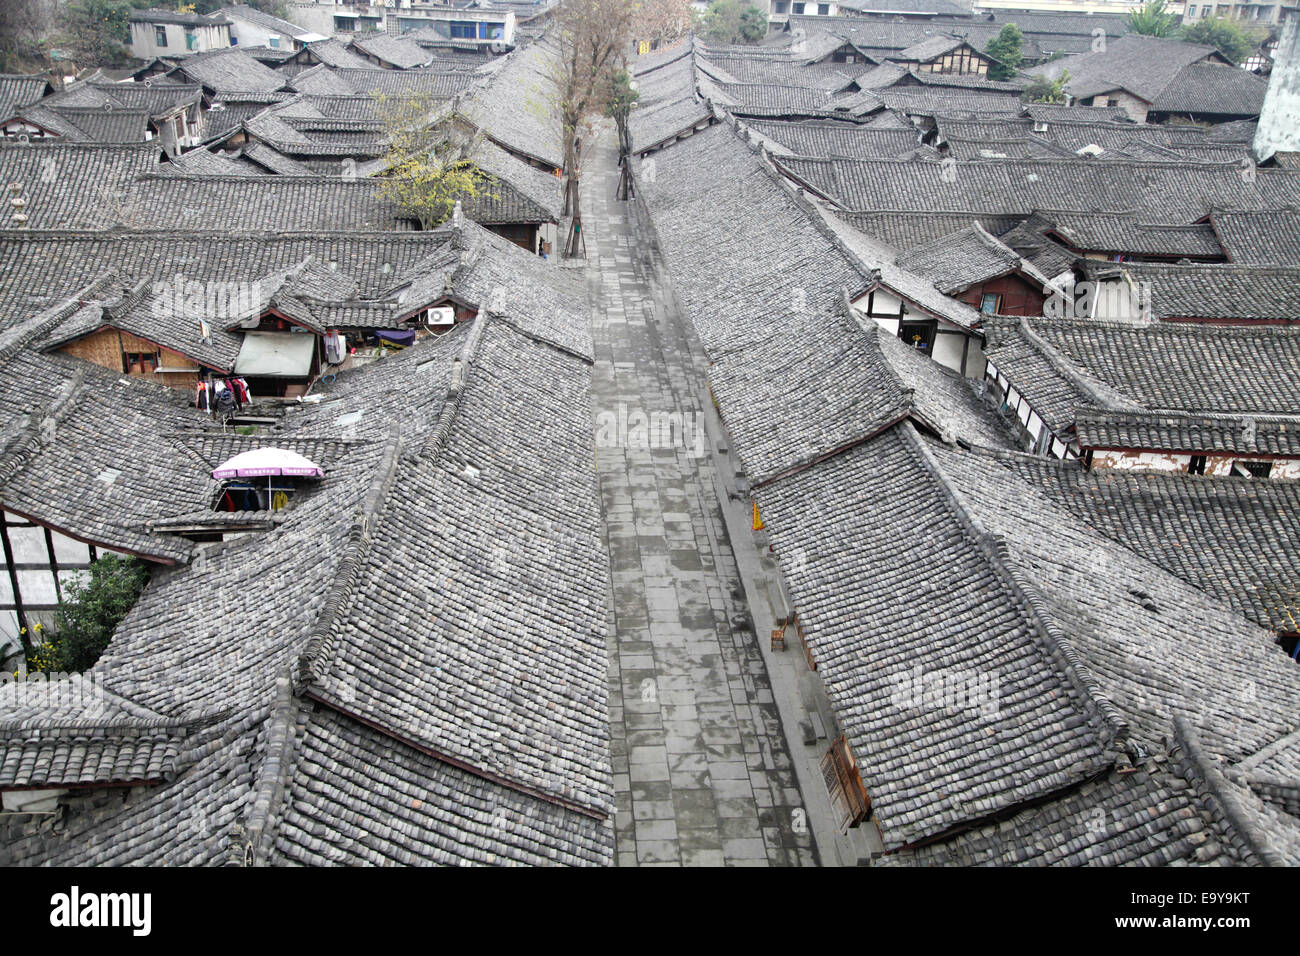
[[276, 354]]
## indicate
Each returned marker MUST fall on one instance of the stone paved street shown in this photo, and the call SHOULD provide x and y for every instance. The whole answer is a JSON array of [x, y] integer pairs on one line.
[[701, 767]]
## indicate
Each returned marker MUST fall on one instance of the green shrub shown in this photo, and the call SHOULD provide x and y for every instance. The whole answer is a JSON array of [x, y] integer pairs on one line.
[[91, 609]]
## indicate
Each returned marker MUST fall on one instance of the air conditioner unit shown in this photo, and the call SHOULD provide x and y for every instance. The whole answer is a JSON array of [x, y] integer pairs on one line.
[[441, 318]]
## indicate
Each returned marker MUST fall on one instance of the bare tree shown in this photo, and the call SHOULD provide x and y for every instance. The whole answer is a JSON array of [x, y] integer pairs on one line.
[[593, 38], [661, 21]]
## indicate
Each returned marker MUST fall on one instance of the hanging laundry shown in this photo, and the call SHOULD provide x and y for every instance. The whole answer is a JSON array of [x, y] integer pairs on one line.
[[201, 400], [224, 400]]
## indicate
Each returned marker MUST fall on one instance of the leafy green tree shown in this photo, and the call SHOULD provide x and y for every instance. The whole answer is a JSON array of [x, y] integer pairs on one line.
[[1044, 90], [96, 32], [430, 163], [1153, 19], [90, 612], [1004, 49], [1227, 36], [618, 104], [727, 21]]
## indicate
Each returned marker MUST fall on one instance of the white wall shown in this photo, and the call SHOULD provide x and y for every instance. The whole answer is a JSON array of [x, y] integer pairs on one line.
[[145, 47], [1279, 120]]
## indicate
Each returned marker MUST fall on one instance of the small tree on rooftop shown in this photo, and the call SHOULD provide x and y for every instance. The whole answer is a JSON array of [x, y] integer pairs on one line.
[[1044, 90], [1153, 19], [1004, 49], [430, 158], [1227, 36]]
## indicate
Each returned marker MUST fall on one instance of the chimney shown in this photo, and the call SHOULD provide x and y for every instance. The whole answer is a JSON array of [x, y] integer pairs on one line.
[[1279, 119]]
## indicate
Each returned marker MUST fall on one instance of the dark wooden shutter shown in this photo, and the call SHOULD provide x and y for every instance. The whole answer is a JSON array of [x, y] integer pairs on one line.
[[848, 798]]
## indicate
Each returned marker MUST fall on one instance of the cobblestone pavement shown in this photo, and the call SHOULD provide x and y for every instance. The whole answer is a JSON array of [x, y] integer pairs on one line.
[[702, 771]]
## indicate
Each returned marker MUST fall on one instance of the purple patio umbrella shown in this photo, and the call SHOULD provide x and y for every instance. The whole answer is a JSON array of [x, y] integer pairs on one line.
[[265, 462], [268, 462]]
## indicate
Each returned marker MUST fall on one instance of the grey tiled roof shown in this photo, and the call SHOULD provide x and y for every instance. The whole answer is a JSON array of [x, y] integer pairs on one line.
[[1211, 290], [32, 755], [512, 108], [1264, 237], [1127, 618], [39, 269], [928, 769], [667, 103], [398, 52], [76, 481], [908, 230], [828, 138], [335, 52], [190, 822], [1233, 537], [1144, 66], [324, 79], [514, 687], [357, 798], [154, 95], [1204, 432], [1159, 192], [140, 312], [1060, 365], [966, 257], [494, 748], [931, 47], [435, 82], [1100, 619], [791, 71], [89, 124], [948, 101], [699, 189], [1213, 88], [229, 69], [251, 14], [235, 109], [775, 402], [754, 99], [74, 186], [296, 203], [18, 90], [1154, 816], [1119, 233]]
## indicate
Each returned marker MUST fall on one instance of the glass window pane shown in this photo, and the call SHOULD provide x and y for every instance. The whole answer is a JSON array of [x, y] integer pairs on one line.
[[37, 587], [29, 545], [69, 552]]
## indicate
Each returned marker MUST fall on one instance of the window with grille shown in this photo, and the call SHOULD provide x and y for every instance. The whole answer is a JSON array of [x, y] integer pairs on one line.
[[848, 798]]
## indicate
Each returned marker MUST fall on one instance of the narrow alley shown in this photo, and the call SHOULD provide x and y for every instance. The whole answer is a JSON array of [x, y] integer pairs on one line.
[[702, 770]]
